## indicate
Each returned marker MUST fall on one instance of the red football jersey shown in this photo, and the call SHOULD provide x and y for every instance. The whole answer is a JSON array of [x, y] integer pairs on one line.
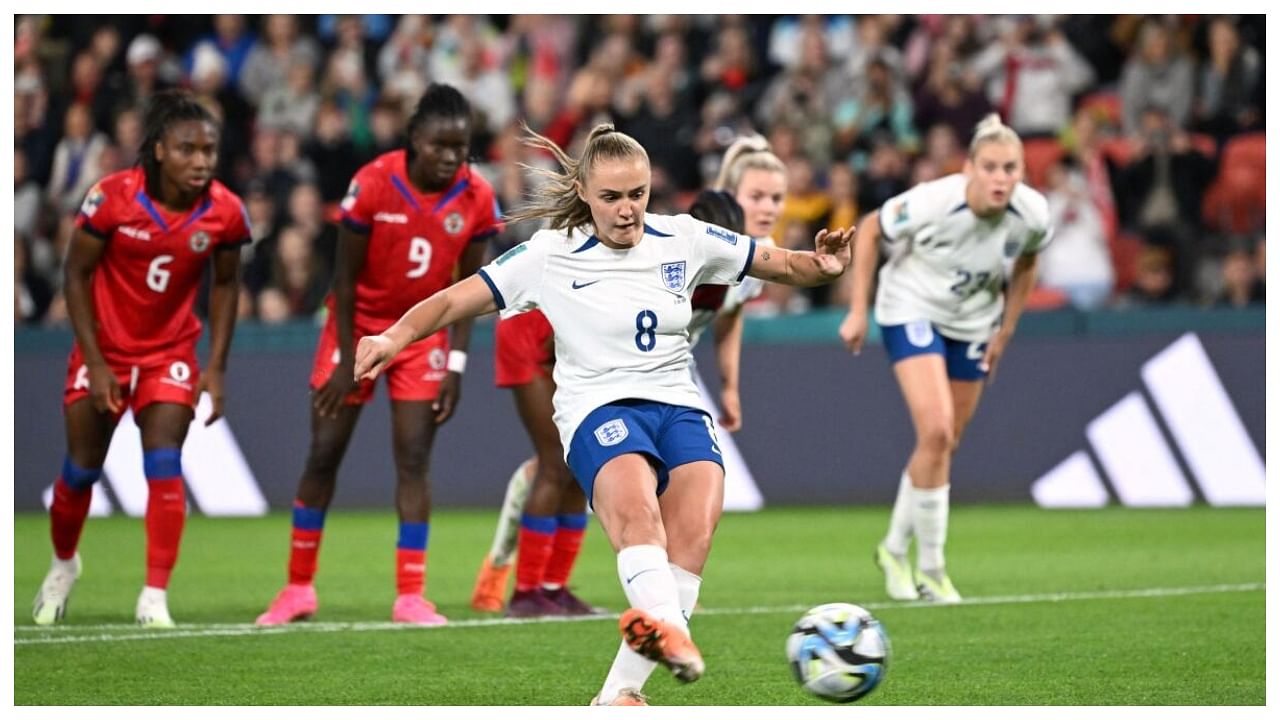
[[415, 238], [146, 281]]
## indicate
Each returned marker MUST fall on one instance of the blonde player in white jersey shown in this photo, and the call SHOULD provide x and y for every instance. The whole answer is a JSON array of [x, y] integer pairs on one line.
[[615, 285], [946, 315], [755, 180]]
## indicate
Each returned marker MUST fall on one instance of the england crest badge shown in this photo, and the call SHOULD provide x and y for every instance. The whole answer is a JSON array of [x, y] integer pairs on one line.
[[673, 275]]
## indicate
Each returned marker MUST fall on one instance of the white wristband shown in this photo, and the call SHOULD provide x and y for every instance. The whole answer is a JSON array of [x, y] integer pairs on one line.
[[457, 361]]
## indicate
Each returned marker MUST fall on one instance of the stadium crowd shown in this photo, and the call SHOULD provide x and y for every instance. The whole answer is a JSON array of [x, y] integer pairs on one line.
[[1145, 133]]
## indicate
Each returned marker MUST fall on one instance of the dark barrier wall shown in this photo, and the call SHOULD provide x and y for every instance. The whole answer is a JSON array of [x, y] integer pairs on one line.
[[821, 426]]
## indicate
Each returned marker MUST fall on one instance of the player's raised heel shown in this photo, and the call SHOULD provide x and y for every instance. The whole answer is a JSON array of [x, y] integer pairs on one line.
[[295, 602], [897, 575], [662, 643], [50, 605], [491, 586], [625, 697]]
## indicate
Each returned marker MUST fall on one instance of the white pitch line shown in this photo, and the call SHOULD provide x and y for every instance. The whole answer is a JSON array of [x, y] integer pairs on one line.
[[245, 629]]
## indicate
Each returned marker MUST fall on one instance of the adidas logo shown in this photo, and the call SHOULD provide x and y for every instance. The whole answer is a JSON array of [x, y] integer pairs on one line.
[[216, 472], [1156, 449]]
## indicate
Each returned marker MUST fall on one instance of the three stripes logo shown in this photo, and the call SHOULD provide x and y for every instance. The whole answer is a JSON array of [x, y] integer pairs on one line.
[[1140, 459], [215, 470]]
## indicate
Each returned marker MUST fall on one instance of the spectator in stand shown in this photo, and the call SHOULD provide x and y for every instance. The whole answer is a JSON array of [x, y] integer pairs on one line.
[[1077, 262], [1229, 81], [732, 65], [950, 94], [667, 126], [1153, 281], [886, 176], [1160, 192], [209, 83], [1244, 275], [232, 41], [299, 274], [275, 57], [1157, 75], [77, 160], [292, 105], [127, 136], [333, 152], [804, 98], [1032, 72], [405, 58], [881, 111], [142, 79], [87, 89]]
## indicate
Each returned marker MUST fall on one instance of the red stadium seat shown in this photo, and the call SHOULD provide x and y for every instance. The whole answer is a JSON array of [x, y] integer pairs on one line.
[[1040, 154], [1236, 202]]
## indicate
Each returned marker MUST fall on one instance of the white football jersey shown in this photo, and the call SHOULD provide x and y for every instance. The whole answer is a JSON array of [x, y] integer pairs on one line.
[[948, 266], [621, 317]]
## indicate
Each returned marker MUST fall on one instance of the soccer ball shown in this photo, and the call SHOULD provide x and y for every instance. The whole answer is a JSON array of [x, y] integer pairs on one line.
[[838, 652]]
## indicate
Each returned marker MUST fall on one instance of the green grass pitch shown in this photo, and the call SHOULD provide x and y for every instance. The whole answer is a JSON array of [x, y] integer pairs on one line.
[[1114, 606]]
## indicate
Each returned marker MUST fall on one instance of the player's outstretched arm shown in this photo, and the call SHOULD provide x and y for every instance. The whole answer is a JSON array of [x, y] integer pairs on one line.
[[866, 256], [466, 299], [827, 262]]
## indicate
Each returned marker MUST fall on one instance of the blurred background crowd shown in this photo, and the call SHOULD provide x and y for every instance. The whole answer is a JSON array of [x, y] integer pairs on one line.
[[1144, 132]]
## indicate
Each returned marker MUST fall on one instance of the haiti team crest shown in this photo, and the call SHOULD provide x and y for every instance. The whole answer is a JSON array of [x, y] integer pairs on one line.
[[453, 223], [673, 275], [199, 241]]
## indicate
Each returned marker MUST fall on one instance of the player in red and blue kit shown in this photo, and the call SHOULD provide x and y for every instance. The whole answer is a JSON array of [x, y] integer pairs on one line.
[[410, 219], [143, 238]]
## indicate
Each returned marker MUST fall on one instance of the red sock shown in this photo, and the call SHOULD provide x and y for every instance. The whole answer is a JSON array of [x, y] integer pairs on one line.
[[304, 552], [66, 517], [166, 515], [533, 553], [563, 554], [411, 571]]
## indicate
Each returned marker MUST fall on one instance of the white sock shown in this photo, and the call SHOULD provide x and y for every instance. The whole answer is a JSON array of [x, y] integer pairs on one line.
[[650, 591], [687, 586], [898, 539], [154, 594], [929, 511], [508, 532], [649, 584]]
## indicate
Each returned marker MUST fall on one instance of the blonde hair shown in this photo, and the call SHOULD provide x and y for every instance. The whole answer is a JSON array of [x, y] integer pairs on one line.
[[556, 199], [750, 152], [990, 130]]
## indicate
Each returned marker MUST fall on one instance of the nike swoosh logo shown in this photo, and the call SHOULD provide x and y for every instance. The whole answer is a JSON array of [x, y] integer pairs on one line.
[[633, 577], [578, 286]]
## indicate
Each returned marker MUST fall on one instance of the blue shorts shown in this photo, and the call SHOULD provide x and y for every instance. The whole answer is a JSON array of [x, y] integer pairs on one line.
[[669, 435], [921, 337]]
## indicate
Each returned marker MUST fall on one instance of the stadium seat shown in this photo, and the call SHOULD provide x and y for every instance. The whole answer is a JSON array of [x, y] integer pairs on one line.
[[1124, 248], [1236, 202], [1040, 154]]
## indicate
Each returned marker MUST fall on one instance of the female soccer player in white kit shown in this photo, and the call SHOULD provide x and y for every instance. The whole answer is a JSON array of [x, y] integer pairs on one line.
[[615, 284], [946, 317]]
